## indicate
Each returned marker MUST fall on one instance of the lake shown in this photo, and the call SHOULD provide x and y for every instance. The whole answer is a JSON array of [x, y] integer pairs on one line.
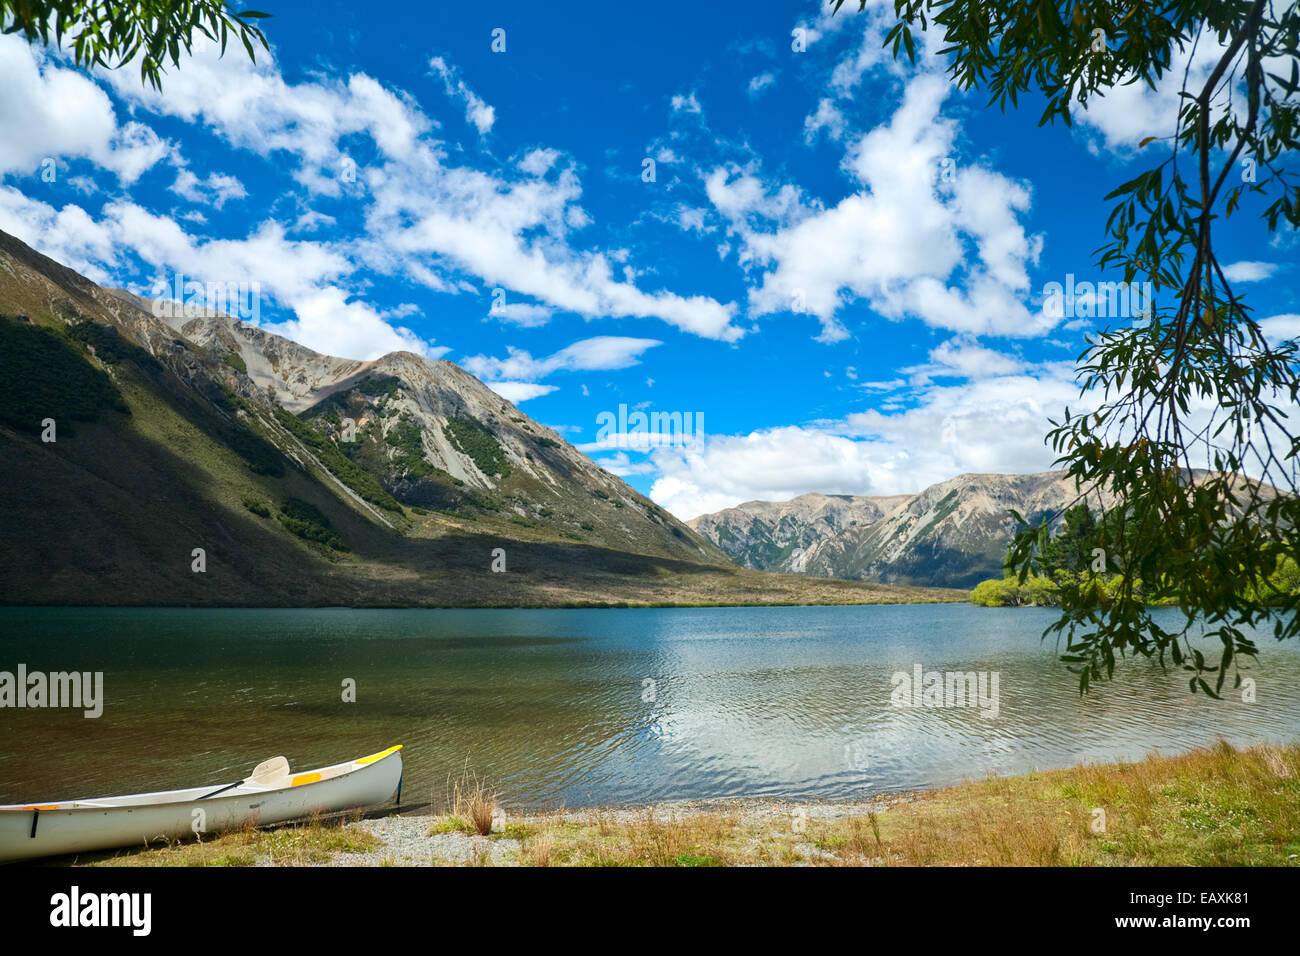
[[593, 707]]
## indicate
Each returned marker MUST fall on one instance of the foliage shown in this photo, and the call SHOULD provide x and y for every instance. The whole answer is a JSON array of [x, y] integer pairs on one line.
[[110, 33], [256, 506], [404, 436], [262, 457], [1038, 591], [373, 386], [47, 377], [472, 437], [1192, 383], [307, 522], [339, 464], [236, 361], [110, 346], [1072, 547]]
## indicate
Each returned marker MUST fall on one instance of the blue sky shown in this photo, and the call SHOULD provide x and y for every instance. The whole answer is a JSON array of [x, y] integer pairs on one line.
[[839, 262]]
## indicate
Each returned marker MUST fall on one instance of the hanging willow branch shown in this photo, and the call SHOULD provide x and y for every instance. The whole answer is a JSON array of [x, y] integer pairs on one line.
[[1187, 437]]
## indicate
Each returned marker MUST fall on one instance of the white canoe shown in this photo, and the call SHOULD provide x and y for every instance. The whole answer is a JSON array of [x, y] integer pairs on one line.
[[272, 794]]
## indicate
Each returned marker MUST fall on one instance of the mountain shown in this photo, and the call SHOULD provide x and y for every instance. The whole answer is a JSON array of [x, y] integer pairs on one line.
[[953, 534], [133, 434]]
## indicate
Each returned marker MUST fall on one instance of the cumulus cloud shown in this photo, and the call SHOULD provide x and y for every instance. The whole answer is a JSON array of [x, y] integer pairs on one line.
[[48, 112], [899, 243], [993, 425], [426, 219]]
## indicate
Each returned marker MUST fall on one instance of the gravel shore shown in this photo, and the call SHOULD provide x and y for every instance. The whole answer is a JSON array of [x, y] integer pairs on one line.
[[407, 841]]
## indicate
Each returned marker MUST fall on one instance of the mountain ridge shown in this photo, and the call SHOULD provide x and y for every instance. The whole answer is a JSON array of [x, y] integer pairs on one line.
[[952, 534], [307, 479]]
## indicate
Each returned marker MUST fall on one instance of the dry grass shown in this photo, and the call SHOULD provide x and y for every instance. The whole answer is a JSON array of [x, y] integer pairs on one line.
[[1217, 806], [473, 802], [1213, 807], [304, 844]]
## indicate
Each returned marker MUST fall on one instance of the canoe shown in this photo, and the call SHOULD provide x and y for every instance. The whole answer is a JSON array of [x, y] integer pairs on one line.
[[271, 794]]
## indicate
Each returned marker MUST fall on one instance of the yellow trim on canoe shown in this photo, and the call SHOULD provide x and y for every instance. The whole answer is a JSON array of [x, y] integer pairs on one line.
[[302, 778], [379, 756]]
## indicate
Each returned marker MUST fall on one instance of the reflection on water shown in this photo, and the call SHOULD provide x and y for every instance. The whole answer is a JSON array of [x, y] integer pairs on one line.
[[591, 706]]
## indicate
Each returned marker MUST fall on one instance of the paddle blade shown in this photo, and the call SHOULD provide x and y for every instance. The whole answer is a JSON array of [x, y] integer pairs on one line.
[[268, 770]]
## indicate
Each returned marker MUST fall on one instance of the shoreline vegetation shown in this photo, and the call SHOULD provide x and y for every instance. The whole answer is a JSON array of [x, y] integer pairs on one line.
[[1043, 590], [1214, 806], [1073, 560]]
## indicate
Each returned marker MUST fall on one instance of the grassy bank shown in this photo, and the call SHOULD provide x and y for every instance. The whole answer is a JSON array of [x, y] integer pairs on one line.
[[1218, 806]]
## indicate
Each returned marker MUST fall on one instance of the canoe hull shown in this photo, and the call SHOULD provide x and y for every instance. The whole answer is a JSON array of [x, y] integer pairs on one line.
[[62, 831]]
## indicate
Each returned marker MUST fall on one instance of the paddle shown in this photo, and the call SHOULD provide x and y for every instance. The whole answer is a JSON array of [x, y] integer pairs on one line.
[[266, 772]]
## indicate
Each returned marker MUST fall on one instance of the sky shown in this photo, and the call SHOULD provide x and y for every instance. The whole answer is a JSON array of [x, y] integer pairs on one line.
[[839, 266]]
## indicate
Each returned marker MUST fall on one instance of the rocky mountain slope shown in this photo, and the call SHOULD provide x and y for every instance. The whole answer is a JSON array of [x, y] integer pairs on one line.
[[152, 459], [953, 534]]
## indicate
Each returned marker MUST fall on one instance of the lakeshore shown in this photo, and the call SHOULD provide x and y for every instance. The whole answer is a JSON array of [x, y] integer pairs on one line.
[[1214, 806]]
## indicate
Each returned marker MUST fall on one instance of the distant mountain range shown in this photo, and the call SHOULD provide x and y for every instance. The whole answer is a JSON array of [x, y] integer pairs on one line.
[[953, 534], [303, 478]]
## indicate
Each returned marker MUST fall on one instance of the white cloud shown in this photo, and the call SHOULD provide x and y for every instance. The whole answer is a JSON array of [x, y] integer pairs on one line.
[[215, 190], [993, 425], [50, 112], [1279, 328], [761, 82], [1249, 271], [522, 314], [425, 218], [621, 464], [962, 357], [900, 242], [601, 353], [828, 117], [477, 111], [685, 104], [516, 392]]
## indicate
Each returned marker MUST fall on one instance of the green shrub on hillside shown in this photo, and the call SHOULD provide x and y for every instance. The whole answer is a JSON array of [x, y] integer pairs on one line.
[[307, 522], [472, 437], [339, 464], [45, 376], [257, 506], [404, 436], [110, 346]]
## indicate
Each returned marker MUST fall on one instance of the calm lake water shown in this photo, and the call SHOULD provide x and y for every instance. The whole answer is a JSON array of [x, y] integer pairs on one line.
[[554, 706]]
